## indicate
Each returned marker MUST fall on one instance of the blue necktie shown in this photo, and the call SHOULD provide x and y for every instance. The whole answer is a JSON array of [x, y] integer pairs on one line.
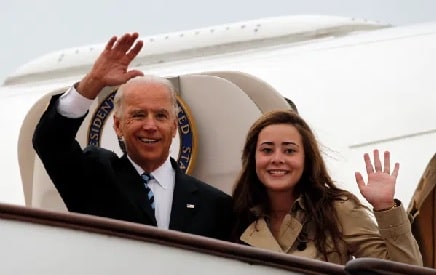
[[147, 177]]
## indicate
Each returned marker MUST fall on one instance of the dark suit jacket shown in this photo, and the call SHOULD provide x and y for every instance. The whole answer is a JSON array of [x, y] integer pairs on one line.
[[96, 181]]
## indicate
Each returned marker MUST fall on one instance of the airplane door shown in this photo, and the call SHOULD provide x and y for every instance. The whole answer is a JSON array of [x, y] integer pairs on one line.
[[224, 106], [217, 111], [261, 93]]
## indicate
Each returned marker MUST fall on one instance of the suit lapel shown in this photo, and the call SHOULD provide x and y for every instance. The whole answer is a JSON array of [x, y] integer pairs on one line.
[[133, 187], [184, 200]]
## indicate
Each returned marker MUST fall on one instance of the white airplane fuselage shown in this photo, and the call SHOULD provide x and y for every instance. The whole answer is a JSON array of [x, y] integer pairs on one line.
[[359, 85]]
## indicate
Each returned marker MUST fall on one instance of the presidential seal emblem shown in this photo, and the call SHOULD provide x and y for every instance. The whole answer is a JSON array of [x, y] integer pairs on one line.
[[183, 147]]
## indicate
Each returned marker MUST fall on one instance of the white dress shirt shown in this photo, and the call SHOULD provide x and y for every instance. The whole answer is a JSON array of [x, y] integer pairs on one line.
[[73, 105], [163, 188]]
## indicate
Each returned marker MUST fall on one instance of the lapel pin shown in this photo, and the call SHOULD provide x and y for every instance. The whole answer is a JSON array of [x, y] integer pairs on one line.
[[190, 205]]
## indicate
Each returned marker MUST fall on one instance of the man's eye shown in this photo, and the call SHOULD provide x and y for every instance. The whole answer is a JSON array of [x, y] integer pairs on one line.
[[137, 115], [161, 116]]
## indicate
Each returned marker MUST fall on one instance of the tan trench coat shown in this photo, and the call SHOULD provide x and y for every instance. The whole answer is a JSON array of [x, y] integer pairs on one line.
[[392, 239]]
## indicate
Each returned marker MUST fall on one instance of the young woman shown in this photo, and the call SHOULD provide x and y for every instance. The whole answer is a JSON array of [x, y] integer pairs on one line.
[[285, 200]]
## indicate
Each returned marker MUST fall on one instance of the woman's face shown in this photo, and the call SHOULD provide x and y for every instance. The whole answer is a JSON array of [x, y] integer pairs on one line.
[[279, 157]]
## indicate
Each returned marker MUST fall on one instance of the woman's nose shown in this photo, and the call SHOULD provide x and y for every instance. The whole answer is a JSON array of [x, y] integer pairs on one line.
[[277, 158]]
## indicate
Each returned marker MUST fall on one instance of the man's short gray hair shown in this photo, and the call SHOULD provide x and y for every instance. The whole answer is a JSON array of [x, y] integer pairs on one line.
[[146, 79]]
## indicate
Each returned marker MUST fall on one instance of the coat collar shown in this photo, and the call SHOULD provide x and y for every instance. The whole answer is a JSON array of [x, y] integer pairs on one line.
[[259, 235], [259, 212], [160, 174]]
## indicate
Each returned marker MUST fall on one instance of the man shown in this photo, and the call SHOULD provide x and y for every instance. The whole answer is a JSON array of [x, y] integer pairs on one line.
[[145, 185]]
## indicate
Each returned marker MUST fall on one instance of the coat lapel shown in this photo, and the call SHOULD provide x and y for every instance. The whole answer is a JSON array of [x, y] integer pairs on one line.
[[133, 188], [184, 200], [258, 235]]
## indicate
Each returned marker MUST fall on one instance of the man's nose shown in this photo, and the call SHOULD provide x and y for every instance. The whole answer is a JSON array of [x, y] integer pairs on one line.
[[149, 123]]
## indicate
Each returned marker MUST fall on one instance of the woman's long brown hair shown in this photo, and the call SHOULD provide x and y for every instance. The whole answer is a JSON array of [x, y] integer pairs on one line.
[[315, 185]]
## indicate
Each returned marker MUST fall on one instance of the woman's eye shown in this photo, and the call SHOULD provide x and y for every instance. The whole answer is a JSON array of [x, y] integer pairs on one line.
[[266, 150]]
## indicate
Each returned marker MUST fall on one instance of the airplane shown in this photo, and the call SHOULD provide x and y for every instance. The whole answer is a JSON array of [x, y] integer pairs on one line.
[[360, 84]]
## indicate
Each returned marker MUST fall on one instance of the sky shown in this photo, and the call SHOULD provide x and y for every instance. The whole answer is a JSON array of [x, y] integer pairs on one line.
[[32, 28]]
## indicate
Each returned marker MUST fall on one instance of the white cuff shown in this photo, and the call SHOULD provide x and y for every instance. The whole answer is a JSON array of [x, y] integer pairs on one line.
[[72, 104]]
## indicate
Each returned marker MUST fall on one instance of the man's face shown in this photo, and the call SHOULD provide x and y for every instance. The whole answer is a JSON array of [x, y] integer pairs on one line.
[[147, 123]]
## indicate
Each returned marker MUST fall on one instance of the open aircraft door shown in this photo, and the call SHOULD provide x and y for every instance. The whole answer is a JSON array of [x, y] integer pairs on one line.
[[217, 110], [422, 210]]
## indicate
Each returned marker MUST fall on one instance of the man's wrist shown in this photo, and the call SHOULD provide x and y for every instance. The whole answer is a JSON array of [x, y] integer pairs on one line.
[[89, 87]]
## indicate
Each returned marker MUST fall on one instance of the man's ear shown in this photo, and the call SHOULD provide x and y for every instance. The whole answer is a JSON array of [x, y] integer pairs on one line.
[[175, 127], [117, 127]]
